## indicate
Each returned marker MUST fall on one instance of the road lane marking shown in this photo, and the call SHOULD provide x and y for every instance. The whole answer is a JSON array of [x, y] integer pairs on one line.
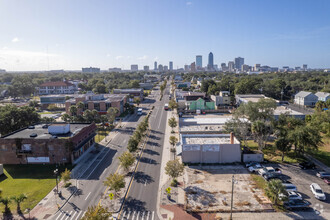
[[153, 215], [133, 216], [87, 196], [129, 213], [74, 214], [80, 212], [142, 215], [69, 215], [147, 215], [137, 215], [64, 214], [160, 119], [59, 214]]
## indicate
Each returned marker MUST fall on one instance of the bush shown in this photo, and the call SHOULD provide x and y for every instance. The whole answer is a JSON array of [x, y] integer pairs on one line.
[[67, 185], [174, 183]]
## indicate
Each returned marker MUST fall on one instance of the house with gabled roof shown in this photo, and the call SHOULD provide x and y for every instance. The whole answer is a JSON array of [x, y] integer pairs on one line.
[[323, 96], [304, 98]]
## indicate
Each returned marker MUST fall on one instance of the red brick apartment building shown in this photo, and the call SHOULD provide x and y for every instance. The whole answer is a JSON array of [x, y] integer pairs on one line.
[[51, 144], [99, 102]]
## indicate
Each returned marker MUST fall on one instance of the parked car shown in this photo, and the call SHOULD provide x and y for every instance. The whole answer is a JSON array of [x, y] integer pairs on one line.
[[326, 180], [296, 204], [291, 196], [266, 170], [322, 174], [307, 165], [31, 127], [273, 175], [317, 191], [278, 170], [289, 187], [250, 164], [255, 168]]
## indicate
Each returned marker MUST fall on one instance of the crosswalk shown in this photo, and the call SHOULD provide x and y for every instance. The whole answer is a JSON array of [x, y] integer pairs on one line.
[[72, 215], [137, 215]]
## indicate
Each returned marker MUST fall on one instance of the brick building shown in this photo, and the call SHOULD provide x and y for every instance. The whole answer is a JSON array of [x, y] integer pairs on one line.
[[56, 143], [99, 102], [132, 93]]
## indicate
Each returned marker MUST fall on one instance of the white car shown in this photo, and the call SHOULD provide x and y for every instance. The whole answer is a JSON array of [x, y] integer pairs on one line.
[[289, 187], [317, 191], [255, 168], [291, 196], [266, 170]]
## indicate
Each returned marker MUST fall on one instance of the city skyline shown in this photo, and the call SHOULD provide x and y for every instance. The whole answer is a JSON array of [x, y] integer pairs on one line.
[[57, 35]]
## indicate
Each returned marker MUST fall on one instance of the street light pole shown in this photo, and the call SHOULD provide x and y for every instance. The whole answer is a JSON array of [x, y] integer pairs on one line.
[[56, 173], [232, 198]]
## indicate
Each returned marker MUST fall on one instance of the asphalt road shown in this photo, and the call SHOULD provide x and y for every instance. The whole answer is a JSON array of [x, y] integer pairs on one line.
[[90, 186], [141, 202]]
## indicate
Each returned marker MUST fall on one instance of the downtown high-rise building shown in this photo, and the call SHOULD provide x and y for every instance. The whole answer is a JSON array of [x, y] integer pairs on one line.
[[171, 65], [199, 61], [231, 66], [160, 68], [155, 65], [134, 67], [210, 65], [239, 61], [146, 68]]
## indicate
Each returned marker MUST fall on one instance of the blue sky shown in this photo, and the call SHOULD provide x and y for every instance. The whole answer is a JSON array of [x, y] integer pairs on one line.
[[70, 34]]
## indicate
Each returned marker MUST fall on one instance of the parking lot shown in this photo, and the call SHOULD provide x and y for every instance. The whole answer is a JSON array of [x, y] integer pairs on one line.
[[302, 179]]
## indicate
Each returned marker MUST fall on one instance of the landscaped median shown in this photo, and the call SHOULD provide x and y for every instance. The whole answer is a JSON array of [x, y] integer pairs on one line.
[[119, 183], [34, 181]]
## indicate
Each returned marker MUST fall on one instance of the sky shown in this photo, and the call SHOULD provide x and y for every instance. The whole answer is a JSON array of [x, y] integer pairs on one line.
[[71, 34]]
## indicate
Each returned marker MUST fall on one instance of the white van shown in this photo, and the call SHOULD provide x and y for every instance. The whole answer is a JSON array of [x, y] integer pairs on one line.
[[139, 111]]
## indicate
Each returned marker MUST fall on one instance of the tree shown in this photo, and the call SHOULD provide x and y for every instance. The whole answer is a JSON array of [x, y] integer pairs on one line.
[[81, 106], [240, 127], [97, 213], [253, 111], [137, 101], [126, 160], [304, 137], [173, 140], [132, 144], [173, 104], [66, 117], [66, 175], [172, 123], [19, 199], [111, 114], [115, 182], [283, 145], [73, 110], [6, 201], [174, 168], [261, 130], [274, 189]]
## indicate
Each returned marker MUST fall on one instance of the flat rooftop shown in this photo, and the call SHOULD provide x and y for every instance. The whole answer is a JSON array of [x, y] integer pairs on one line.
[[42, 133], [285, 110], [205, 139]]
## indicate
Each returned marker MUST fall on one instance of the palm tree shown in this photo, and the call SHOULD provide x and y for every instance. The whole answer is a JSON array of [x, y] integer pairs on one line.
[[172, 123], [73, 110], [6, 201], [19, 199]]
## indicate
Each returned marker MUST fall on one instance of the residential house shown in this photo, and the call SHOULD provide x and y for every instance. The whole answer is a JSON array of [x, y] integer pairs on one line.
[[222, 99], [323, 96], [305, 98]]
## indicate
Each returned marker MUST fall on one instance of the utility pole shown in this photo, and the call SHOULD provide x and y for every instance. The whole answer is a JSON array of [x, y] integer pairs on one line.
[[232, 197]]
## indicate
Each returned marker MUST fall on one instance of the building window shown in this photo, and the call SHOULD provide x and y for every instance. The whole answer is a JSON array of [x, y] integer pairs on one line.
[[97, 106], [107, 106]]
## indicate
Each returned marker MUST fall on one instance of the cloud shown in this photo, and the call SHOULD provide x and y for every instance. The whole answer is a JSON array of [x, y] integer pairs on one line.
[[143, 57], [189, 3], [14, 40], [156, 58], [119, 57], [108, 55]]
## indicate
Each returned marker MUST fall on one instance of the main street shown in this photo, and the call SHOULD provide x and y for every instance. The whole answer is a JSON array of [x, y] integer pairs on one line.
[[90, 185], [141, 202]]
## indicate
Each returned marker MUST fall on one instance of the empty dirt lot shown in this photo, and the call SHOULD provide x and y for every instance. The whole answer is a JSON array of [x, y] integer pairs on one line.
[[209, 190]]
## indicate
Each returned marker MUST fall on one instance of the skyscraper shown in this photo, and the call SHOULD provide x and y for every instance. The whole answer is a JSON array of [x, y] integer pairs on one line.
[[231, 66], [239, 61], [210, 64], [193, 67], [160, 68], [146, 68], [199, 61], [171, 65], [155, 65], [134, 67]]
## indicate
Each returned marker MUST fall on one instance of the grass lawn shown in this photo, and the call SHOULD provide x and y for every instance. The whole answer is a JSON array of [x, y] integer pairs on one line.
[[323, 153], [101, 133], [35, 181], [273, 155]]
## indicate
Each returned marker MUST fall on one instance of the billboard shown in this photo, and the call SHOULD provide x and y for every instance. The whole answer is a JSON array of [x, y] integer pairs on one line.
[[38, 159]]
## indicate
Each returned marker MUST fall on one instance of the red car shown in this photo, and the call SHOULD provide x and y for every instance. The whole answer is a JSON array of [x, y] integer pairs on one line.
[[327, 180]]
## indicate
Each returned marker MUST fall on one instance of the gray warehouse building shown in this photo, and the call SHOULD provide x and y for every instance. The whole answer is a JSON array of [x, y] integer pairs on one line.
[[210, 148]]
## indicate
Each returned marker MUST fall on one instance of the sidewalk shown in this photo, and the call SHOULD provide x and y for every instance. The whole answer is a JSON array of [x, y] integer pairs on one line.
[[52, 202], [318, 163]]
